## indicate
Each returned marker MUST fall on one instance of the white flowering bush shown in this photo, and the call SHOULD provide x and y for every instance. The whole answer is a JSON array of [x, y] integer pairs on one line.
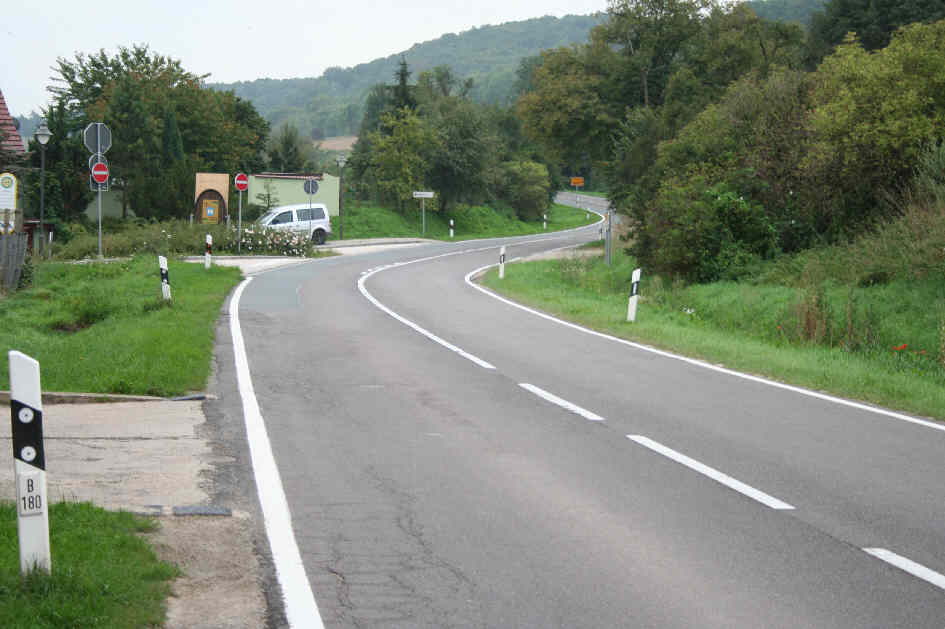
[[180, 238]]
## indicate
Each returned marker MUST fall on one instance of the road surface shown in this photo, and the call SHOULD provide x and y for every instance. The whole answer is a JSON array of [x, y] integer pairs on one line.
[[451, 460]]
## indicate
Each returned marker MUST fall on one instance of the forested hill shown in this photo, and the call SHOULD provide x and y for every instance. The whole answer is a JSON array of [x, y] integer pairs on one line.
[[799, 11], [490, 55]]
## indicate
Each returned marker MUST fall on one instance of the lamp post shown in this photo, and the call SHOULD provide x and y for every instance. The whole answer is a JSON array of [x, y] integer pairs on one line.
[[42, 136], [341, 195]]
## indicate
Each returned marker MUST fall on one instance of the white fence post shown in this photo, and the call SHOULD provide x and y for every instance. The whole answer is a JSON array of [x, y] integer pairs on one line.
[[502, 262], [29, 463], [165, 278], [634, 295], [206, 256]]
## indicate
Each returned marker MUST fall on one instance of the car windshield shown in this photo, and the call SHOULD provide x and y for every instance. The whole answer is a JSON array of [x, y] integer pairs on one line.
[[262, 220]]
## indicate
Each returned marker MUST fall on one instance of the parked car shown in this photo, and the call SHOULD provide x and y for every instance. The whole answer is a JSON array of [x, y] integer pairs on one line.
[[311, 220]]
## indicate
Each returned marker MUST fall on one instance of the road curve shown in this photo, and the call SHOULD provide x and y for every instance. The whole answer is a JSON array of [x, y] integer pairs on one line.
[[563, 479]]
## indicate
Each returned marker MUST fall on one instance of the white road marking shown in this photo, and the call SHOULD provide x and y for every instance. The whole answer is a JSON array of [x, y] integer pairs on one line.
[[711, 472], [568, 406], [365, 275], [913, 568], [704, 365], [300, 607]]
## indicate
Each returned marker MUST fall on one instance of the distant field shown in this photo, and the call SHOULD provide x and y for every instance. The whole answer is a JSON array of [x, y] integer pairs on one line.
[[338, 143]]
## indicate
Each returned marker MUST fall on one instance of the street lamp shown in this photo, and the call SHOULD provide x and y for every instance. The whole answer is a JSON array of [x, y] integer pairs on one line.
[[42, 136], [341, 195]]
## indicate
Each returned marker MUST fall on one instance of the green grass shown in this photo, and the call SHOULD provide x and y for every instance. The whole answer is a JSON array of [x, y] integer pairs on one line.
[[836, 338], [103, 327], [103, 573], [469, 223]]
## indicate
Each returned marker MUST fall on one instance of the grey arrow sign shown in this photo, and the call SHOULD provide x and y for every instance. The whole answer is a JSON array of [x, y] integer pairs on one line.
[[98, 137]]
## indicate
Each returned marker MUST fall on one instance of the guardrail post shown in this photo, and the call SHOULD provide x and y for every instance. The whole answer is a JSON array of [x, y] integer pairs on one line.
[[165, 278], [634, 295], [29, 462]]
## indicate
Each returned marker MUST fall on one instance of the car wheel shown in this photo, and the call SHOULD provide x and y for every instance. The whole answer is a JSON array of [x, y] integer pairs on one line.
[[318, 237]]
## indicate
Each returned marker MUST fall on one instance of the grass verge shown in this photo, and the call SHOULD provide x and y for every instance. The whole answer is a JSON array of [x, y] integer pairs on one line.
[[882, 344], [103, 573], [103, 327], [469, 223]]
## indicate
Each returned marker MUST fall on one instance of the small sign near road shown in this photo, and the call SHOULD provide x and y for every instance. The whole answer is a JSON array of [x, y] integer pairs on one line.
[[98, 137], [311, 186], [100, 173], [241, 181], [418, 194]]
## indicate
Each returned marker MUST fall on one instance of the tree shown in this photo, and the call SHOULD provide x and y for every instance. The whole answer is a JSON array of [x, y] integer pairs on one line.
[[142, 97], [269, 197], [287, 151], [402, 93], [873, 21], [398, 160], [458, 156]]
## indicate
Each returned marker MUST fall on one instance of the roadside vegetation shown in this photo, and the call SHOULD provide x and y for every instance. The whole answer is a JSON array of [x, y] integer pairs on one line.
[[176, 238], [104, 328], [368, 221], [103, 573], [865, 320]]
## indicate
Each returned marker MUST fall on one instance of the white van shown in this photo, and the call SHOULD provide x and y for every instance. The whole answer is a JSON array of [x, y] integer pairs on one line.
[[310, 219]]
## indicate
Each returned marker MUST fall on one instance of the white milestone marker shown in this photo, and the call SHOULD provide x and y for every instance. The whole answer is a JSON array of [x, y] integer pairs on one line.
[[634, 295], [502, 262], [29, 463]]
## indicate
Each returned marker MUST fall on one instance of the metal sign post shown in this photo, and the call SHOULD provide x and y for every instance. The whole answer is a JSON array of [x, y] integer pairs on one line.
[[423, 196], [32, 510], [98, 139], [610, 237], [242, 183]]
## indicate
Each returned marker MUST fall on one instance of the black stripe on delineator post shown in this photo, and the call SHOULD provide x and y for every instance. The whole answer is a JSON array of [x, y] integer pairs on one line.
[[27, 429]]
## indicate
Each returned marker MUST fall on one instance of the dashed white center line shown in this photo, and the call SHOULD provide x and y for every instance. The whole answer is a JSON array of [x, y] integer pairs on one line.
[[913, 568], [554, 399], [714, 474]]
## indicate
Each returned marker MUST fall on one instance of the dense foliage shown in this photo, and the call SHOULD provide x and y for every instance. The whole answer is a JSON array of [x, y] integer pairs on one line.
[[720, 144], [165, 126], [431, 136]]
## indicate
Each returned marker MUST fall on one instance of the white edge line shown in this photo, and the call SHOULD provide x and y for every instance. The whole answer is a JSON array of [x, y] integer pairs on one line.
[[704, 365], [568, 406], [300, 607], [913, 568], [711, 472], [430, 335]]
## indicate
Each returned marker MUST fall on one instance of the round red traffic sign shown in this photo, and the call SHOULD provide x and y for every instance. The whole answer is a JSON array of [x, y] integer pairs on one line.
[[242, 182], [100, 173]]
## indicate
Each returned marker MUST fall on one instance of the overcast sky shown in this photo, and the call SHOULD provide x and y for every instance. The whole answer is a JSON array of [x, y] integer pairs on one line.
[[238, 40]]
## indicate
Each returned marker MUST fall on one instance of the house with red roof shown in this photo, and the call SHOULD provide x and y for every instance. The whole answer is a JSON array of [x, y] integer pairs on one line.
[[12, 142]]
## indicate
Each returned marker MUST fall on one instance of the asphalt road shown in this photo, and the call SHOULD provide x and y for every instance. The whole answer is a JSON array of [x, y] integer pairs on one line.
[[533, 475]]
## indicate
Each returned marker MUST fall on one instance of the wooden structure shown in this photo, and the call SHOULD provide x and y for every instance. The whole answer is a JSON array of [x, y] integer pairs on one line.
[[210, 198]]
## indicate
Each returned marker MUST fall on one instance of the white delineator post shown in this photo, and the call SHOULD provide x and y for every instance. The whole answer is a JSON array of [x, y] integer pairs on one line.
[[544, 221], [29, 462], [634, 295], [451, 229], [165, 278], [502, 262], [206, 256]]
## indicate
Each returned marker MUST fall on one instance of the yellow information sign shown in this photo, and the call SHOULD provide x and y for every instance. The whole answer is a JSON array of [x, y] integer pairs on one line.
[[210, 211], [577, 182]]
